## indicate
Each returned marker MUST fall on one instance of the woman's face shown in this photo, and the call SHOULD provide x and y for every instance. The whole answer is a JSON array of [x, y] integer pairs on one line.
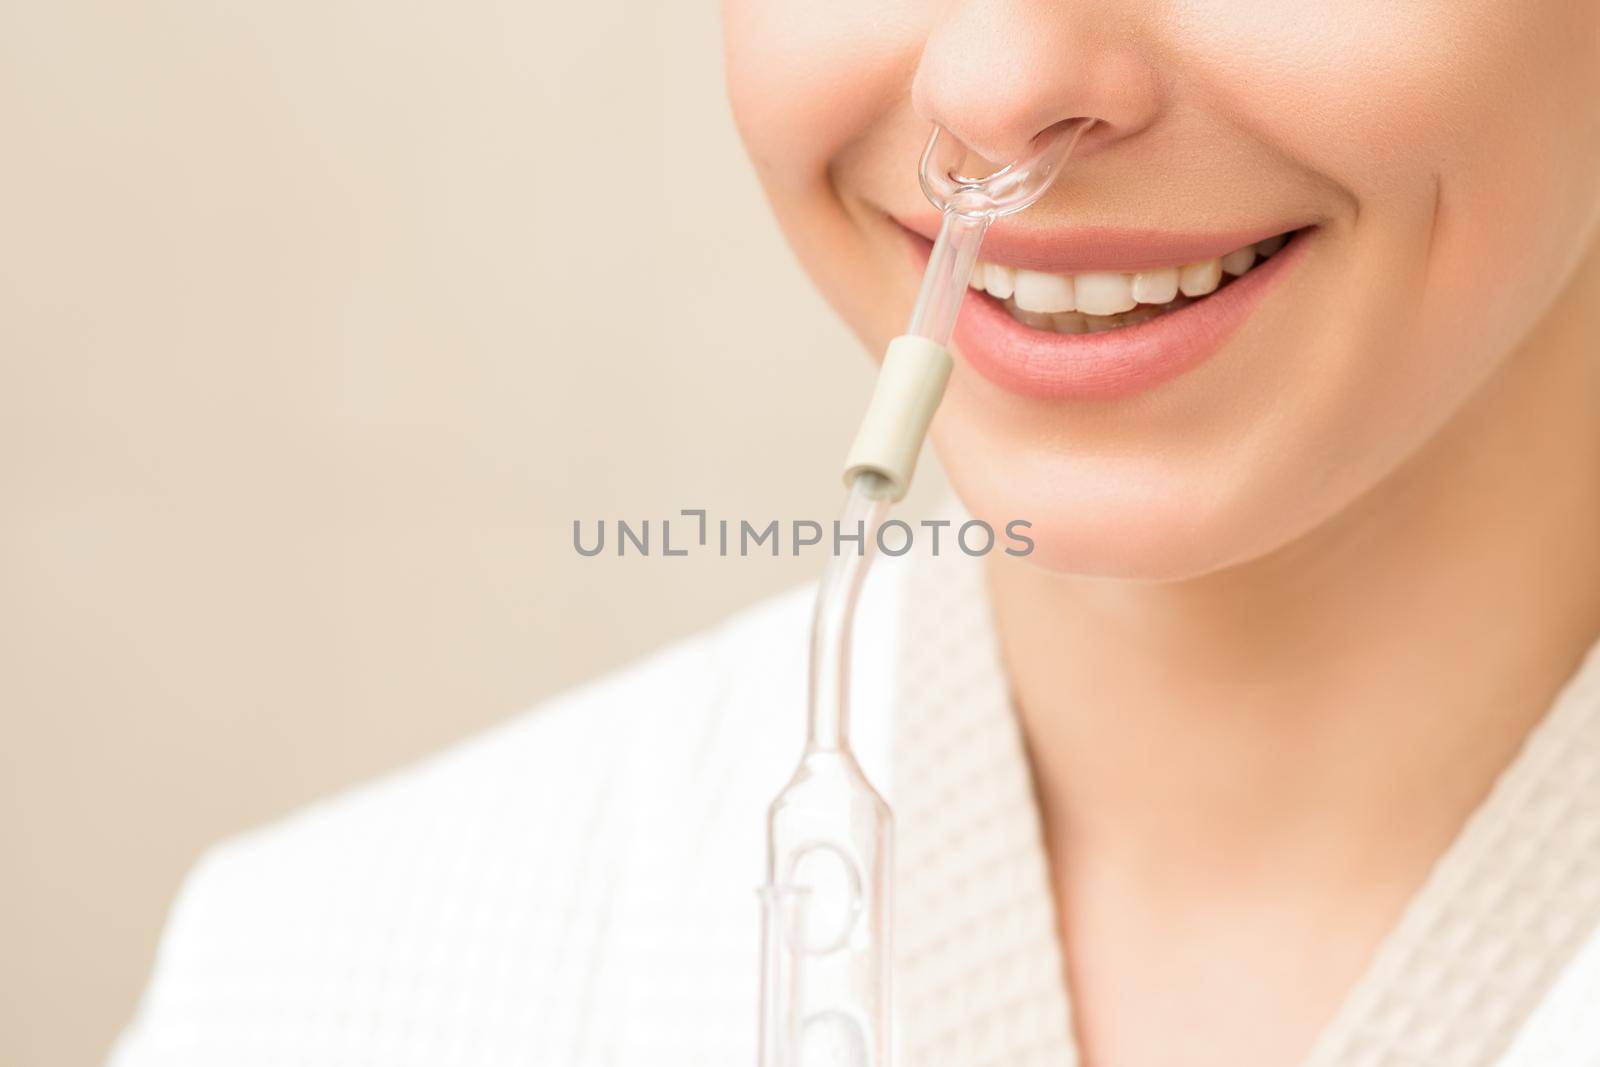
[[1437, 163]]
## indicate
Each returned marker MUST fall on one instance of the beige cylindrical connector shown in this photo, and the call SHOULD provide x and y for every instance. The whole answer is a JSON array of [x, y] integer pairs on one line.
[[910, 385]]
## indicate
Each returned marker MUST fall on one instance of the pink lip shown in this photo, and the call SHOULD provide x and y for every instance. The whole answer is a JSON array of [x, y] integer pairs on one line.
[[1115, 363]]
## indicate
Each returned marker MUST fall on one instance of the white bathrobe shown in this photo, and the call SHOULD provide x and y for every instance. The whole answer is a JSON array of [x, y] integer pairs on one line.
[[576, 888]]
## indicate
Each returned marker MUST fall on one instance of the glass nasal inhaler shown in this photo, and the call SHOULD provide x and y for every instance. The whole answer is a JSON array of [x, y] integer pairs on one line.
[[826, 963]]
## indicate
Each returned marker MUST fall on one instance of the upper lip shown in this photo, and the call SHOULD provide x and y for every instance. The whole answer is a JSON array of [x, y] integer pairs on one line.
[[1080, 249]]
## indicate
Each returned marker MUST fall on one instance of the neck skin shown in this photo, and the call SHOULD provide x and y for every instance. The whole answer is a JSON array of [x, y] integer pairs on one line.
[[1273, 756]]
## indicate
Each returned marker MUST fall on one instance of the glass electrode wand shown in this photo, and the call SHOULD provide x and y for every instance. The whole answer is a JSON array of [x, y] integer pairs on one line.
[[826, 962]]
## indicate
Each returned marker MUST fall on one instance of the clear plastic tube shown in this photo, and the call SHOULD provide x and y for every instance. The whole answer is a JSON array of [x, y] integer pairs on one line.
[[831, 834], [782, 973], [949, 272], [826, 973], [967, 206]]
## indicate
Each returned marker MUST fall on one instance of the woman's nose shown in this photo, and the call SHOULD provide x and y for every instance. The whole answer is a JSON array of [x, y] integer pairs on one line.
[[997, 72]]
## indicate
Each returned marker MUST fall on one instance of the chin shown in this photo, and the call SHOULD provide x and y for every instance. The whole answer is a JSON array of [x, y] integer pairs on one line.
[[1150, 526]]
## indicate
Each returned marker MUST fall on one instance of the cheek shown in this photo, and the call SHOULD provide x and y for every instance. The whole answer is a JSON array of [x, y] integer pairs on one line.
[[1477, 174], [1340, 84], [810, 85], [1466, 125], [806, 79]]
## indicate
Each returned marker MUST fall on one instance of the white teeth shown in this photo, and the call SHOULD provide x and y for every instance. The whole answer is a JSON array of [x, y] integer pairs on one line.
[[1239, 260], [1048, 293], [1104, 293], [1198, 279], [999, 280], [1095, 301], [1155, 286]]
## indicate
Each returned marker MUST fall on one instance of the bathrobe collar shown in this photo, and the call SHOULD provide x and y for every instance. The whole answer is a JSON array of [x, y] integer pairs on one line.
[[978, 960]]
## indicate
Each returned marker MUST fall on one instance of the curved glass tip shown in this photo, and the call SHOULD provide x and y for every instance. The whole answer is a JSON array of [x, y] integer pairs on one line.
[[1015, 186]]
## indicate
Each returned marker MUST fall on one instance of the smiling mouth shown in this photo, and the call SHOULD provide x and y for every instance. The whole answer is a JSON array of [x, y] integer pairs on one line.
[[1097, 301]]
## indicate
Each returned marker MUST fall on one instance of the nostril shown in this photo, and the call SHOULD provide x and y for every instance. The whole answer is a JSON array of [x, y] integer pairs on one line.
[[996, 74], [978, 110]]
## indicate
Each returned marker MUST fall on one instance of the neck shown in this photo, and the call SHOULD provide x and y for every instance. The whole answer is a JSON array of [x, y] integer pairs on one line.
[[1336, 710]]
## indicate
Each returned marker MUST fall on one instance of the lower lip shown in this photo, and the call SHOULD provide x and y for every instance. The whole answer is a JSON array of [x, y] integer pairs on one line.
[[1112, 364]]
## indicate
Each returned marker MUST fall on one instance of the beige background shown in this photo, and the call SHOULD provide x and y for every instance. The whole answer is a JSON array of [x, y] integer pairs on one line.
[[319, 323]]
